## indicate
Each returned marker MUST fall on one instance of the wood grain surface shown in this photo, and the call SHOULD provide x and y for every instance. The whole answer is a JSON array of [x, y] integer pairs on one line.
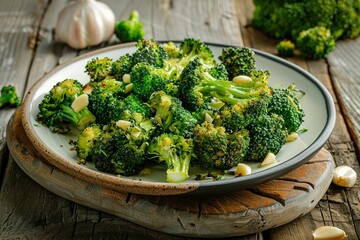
[[28, 50]]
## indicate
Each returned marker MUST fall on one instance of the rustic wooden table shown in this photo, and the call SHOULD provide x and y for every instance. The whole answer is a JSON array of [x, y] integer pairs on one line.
[[28, 50]]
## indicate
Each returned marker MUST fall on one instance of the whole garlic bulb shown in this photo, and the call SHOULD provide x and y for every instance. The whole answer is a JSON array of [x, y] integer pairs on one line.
[[85, 23]]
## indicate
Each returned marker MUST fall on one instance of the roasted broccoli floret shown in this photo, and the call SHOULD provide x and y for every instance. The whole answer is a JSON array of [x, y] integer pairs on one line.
[[150, 52], [122, 66], [171, 115], [197, 85], [176, 152], [285, 48], [121, 148], [285, 103], [99, 68], [9, 97], [86, 140], [172, 49], [130, 30], [238, 61], [194, 48], [266, 135], [56, 110], [105, 99], [217, 149], [315, 43], [147, 79]]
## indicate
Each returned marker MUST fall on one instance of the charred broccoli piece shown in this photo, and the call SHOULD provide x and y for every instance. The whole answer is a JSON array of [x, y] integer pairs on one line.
[[285, 103], [150, 52], [170, 114], [194, 48], [122, 66], [121, 148], [9, 97], [266, 135], [56, 110], [86, 140], [176, 152], [217, 149], [315, 43], [285, 48], [238, 61], [130, 30], [99, 69]]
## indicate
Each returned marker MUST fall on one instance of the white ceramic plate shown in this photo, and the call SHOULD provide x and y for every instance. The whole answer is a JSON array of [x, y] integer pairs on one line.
[[55, 148]]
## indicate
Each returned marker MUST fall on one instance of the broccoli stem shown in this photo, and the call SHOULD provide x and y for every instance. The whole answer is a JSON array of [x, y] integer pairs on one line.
[[79, 119]]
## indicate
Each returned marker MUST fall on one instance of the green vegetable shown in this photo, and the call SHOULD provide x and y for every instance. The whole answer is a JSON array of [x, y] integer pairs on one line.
[[287, 19], [56, 111], [176, 152], [315, 43], [174, 105], [285, 48], [9, 97], [217, 149], [130, 30]]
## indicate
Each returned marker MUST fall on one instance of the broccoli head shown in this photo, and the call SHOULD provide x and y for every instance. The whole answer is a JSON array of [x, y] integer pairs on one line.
[[150, 52], [171, 115], [217, 149], [121, 147], [176, 152], [315, 43], [105, 99], [285, 48], [99, 68], [266, 135], [122, 66], [194, 48], [86, 140], [130, 30], [238, 61], [197, 85], [9, 97], [56, 110], [285, 103]]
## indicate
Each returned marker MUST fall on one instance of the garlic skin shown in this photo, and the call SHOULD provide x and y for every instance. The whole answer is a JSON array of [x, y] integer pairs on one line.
[[344, 176], [85, 23]]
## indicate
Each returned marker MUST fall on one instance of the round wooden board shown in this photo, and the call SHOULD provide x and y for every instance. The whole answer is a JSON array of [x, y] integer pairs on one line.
[[242, 212]]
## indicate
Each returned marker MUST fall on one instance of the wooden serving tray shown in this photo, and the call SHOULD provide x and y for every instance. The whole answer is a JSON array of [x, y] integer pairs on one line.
[[241, 212]]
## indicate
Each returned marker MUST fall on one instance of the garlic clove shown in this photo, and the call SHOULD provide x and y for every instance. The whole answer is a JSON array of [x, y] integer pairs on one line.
[[80, 102], [344, 176], [328, 233], [242, 79], [243, 169], [123, 124], [269, 159], [292, 137]]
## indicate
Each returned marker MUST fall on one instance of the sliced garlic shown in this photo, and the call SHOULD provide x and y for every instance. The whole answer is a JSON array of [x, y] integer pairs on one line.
[[208, 118], [123, 124], [80, 102], [128, 87], [135, 132], [242, 79], [292, 137], [329, 233], [242, 169], [269, 159], [126, 78], [344, 176]]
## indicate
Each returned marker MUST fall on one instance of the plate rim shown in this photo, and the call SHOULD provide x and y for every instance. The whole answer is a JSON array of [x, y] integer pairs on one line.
[[200, 187]]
